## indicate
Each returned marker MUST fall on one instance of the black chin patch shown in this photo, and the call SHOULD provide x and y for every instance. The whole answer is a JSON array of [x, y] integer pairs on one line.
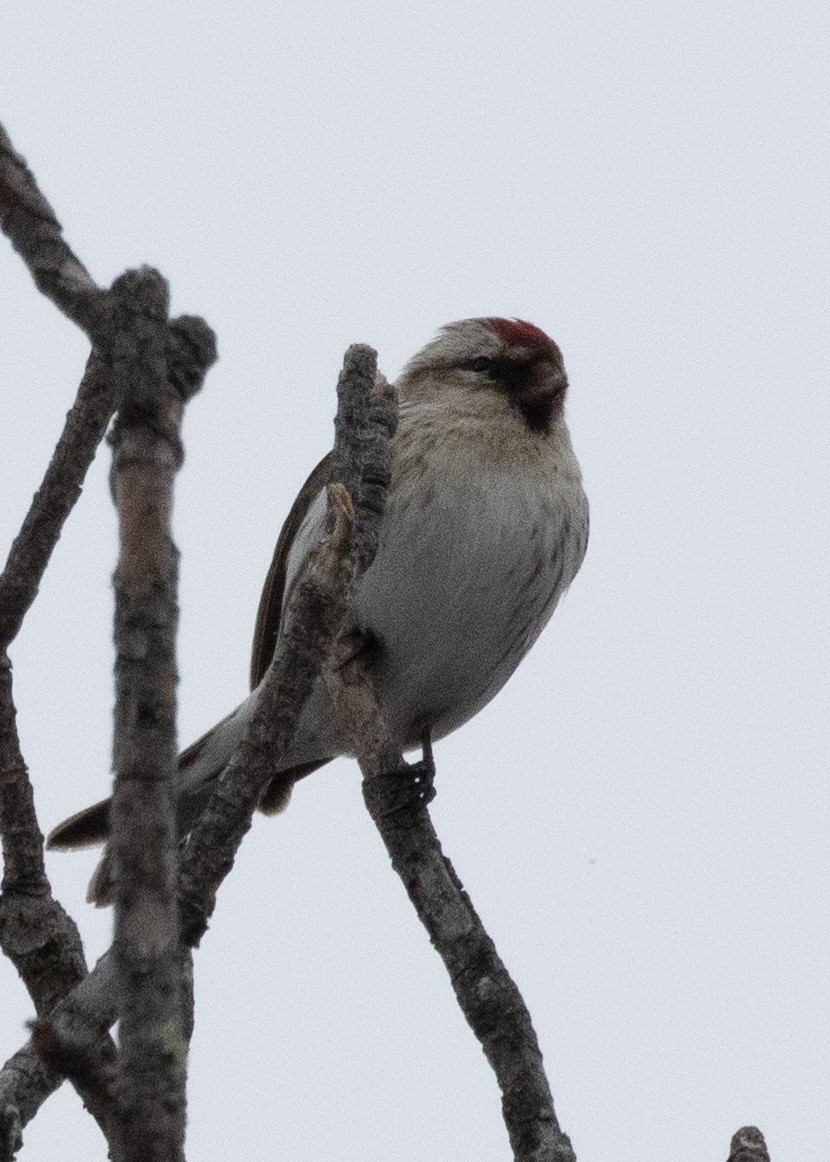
[[524, 383], [538, 411]]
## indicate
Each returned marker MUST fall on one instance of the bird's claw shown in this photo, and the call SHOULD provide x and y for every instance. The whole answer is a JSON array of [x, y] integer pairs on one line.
[[405, 791]]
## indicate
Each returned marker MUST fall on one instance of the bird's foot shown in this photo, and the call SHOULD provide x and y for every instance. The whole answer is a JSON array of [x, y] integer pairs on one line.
[[402, 792]]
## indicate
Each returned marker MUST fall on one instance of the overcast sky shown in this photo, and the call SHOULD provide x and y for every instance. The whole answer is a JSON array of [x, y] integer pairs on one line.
[[641, 817]]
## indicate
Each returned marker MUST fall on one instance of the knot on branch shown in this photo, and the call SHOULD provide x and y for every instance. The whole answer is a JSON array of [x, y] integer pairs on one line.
[[142, 292], [748, 1145], [157, 366], [191, 352]]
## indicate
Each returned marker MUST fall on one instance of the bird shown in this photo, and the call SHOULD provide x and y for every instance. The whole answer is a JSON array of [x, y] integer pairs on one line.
[[486, 526]]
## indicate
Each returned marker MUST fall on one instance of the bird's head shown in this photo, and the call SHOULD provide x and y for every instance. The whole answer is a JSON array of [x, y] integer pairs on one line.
[[507, 356]]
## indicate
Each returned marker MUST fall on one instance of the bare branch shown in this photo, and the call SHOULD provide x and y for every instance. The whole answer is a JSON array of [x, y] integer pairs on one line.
[[147, 452], [75, 1031], [83, 1016], [313, 618], [28, 219], [23, 1080], [34, 930], [37, 935], [375, 469], [85, 426], [354, 386], [397, 796], [36, 234]]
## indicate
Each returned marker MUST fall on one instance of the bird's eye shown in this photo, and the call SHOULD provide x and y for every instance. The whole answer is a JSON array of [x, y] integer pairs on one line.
[[482, 363]]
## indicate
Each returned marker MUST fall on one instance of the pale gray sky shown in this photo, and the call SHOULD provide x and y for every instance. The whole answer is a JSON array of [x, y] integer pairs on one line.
[[642, 815]]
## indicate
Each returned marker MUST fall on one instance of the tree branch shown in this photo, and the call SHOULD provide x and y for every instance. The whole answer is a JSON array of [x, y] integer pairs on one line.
[[319, 598], [36, 234], [35, 932], [313, 617], [146, 454], [29, 221], [37, 935], [396, 796], [54, 500], [73, 1034]]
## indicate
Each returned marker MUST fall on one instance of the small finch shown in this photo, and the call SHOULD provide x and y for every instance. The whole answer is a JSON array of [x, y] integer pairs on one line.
[[485, 528]]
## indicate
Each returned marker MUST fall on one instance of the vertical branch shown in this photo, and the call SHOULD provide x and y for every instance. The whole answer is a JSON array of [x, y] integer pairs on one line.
[[35, 932], [147, 453]]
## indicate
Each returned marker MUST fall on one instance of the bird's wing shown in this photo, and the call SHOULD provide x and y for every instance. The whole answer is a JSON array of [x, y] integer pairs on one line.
[[269, 614]]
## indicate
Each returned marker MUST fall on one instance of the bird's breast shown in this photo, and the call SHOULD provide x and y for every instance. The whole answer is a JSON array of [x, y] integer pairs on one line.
[[471, 564]]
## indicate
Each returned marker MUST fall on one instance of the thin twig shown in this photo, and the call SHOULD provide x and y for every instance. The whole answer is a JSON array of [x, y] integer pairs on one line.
[[29, 555]]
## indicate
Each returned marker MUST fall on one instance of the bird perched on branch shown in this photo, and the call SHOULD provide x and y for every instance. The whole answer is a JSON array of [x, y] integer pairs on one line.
[[486, 526]]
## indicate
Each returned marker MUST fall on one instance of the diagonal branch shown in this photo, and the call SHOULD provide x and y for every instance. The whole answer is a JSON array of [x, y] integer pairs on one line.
[[85, 426], [72, 1031], [36, 234], [397, 796], [313, 617], [29, 221]]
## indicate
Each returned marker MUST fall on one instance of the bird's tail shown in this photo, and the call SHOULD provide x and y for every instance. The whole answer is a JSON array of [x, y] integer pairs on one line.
[[199, 768]]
